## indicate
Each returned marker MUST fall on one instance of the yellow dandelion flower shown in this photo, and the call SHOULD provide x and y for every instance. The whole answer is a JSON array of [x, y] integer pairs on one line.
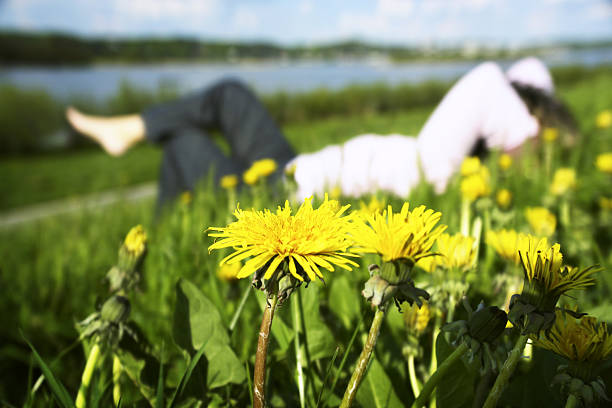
[[135, 241], [545, 280], [503, 198], [457, 251], [229, 181], [604, 119], [335, 193], [476, 185], [228, 273], [505, 161], [186, 197], [564, 180], [374, 205], [470, 166], [259, 169], [303, 243], [541, 221], [584, 339], [550, 134], [417, 318], [504, 242], [544, 266], [428, 264], [507, 243], [250, 177], [407, 235], [605, 203], [604, 162]]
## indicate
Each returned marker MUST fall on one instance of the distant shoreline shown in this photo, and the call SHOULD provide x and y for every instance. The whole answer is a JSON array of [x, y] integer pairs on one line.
[[49, 49]]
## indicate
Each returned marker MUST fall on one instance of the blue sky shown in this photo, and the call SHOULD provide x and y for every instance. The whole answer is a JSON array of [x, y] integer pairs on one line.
[[508, 22]]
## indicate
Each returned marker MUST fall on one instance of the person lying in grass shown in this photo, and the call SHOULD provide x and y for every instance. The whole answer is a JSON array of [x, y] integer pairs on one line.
[[501, 109]]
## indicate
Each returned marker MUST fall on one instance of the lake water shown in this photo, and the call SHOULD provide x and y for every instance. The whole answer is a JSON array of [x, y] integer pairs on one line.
[[101, 81]]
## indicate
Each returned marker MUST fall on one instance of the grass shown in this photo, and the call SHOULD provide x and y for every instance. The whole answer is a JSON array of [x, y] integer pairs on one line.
[[52, 271]]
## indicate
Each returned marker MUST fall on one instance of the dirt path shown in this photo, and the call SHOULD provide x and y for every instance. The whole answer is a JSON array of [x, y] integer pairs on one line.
[[21, 215]]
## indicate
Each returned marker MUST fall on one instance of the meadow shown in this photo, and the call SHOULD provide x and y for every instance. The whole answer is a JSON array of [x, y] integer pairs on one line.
[[192, 330]]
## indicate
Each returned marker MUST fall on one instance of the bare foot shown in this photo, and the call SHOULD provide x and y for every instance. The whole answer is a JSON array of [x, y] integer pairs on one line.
[[116, 134]]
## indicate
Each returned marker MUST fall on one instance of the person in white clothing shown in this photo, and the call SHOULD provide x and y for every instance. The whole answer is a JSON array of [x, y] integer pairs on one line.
[[485, 105]]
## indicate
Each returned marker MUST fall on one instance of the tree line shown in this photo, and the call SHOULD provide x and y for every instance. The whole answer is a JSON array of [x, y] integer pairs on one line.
[[51, 48]]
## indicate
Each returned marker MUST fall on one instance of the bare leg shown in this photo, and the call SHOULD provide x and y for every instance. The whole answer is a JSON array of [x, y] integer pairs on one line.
[[116, 134]]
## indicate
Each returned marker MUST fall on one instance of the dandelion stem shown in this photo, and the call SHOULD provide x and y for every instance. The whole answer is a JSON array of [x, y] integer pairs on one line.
[[364, 358], [435, 378], [299, 357], [506, 372], [414, 381], [465, 217], [259, 375], [117, 369], [90, 365], [572, 401]]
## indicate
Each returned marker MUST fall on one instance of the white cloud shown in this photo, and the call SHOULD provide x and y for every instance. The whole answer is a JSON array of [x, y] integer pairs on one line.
[[394, 8], [245, 19], [600, 11], [305, 7], [159, 9]]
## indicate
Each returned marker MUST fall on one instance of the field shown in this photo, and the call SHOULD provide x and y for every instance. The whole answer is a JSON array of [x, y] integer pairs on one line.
[[53, 275]]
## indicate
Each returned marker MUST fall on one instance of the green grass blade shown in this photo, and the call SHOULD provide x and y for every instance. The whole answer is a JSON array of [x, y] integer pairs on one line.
[[327, 373], [186, 376], [59, 391], [159, 395], [345, 357], [249, 380]]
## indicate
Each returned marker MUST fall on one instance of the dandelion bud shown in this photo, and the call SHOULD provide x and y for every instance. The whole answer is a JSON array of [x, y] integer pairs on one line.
[[135, 241], [115, 310], [131, 254], [487, 323]]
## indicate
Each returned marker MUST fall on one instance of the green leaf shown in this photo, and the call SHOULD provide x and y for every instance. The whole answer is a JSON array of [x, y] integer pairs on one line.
[[456, 388], [138, 370], [319, 339], [344, 300], [59, 391], [197, 324], [186, 376], [376, 389], [602, 312]]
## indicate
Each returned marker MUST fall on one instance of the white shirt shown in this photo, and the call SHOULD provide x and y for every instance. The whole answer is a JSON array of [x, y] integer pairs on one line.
[[482, 104]]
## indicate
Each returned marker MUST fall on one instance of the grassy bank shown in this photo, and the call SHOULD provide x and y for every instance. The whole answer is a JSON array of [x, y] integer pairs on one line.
[[53, 275]]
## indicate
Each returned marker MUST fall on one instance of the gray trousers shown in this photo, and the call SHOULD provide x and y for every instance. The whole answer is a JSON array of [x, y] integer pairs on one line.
[[182, 127]]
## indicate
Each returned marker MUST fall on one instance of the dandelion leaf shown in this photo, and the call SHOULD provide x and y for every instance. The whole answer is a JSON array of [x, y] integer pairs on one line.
[[456, 388], [344, 301], [197, 323], [376, 390]]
